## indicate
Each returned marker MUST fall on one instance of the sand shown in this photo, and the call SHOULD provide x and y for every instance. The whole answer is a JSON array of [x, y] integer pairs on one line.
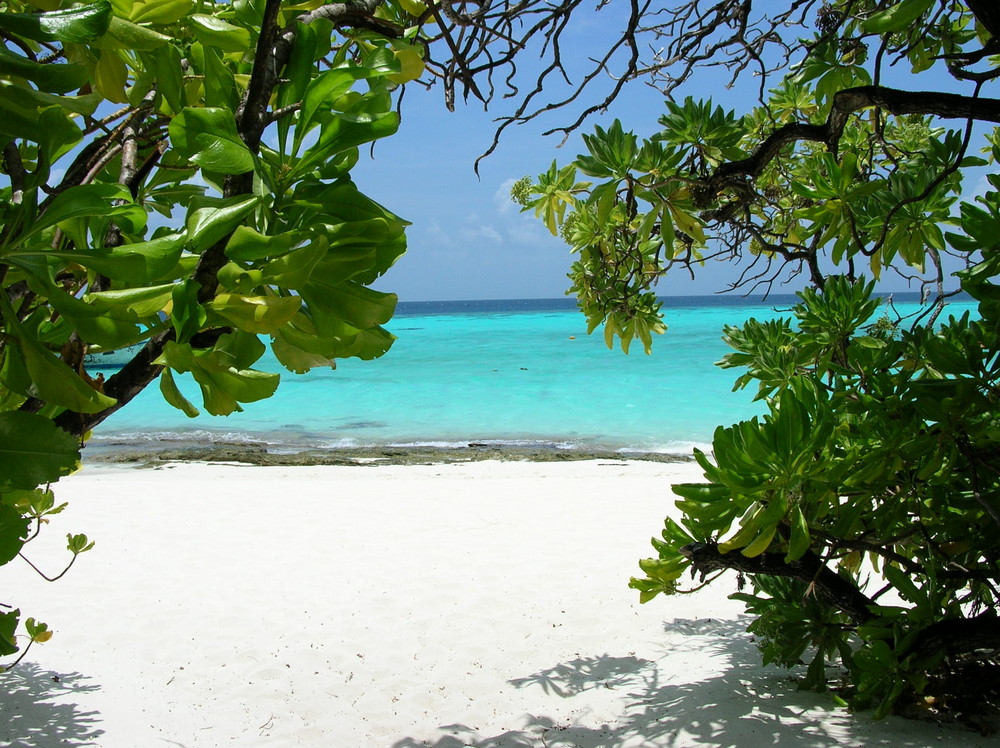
[[481, 604]]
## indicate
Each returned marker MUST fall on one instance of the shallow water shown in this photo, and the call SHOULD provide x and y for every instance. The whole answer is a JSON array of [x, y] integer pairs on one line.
[[520, 372]]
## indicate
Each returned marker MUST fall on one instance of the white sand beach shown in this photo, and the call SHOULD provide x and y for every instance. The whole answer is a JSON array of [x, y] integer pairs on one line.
[[481, 604]]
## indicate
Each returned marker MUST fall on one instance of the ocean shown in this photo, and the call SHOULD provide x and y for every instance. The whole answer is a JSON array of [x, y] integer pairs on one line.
[[514, 372]]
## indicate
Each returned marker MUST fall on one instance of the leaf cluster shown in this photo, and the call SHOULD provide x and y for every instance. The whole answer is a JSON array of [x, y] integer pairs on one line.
[[178, 183], [864, 505]]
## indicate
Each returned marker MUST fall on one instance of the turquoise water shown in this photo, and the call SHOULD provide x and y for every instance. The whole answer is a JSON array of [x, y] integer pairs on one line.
[[521, 372]]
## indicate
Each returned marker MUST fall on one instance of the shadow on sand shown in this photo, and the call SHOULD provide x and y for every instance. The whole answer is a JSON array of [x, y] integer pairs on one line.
[[743, 705], [31, 718]]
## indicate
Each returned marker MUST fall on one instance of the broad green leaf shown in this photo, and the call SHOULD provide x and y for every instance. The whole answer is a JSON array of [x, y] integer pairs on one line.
[[164, 63], [761, 542], [247, 244], [798, 543], [53, 77], [144, 301], [257, 314], [163, 12], [171, 393], [215, 32], [208, 137], [14, 529], [297, 360], [220, 85], [25, 102], [8, 628], [318, 98], [188, 315], [89, 201], [142, 262], [34, 451], [357, 305], [411, 65], [224, 389], [896, 17], [339, 134], [128, 35], [294, 269], [110, 77], [108, 329], [59, 133], [77, 544], [216, 220], [59, 385], [78, 25], [298, 73]]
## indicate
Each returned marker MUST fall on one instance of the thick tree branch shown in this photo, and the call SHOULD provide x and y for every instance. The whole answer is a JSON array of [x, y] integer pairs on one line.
[[824, 583], [987, 12], [977, 637], [848, 102]]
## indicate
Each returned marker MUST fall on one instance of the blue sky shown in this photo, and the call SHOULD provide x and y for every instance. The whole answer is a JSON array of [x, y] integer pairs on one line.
[[468, 240]]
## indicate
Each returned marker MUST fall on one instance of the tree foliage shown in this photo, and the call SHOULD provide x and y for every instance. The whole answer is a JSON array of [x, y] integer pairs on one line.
[[865, 505], [167, 189]]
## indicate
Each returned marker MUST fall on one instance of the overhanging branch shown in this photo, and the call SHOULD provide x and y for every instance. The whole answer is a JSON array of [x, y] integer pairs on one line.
[[848, 102], [823, 582]]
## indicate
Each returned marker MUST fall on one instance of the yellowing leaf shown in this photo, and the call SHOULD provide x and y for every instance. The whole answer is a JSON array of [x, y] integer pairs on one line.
[[414, 7], [110, 77], [257, 314], [411, 66]]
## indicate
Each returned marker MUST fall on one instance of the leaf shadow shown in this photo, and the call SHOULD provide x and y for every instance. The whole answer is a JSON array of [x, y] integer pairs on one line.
[[739, 704], [32, 717]]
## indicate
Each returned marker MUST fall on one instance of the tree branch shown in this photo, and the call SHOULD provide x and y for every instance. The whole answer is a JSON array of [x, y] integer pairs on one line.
[[848, 102], [824, 583]]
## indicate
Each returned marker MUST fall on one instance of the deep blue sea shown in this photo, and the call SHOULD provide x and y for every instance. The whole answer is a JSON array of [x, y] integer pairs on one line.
[[519, 372]]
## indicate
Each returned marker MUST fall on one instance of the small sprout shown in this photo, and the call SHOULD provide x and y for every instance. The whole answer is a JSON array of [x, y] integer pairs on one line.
[[37, 631], [78, 544]]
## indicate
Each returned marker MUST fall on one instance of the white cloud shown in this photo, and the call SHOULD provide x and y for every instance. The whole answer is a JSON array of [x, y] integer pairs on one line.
[[501, 198], [481, 232]]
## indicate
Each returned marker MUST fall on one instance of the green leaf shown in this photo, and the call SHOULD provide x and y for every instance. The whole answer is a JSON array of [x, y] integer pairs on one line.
[[220, 84], [208, 137], [897, 17], [214, 221], [37, 631], [8, 627], [247, 244], [189, 315], [297, 360], [798, 543], [215, 32], [34, 451], [91, 201], [163, 12], [128, 35], [257, 314], [165, 64], [340, 134], [52, 77], [223, 387], [78, 25], [359, 306], [58, 384], [318, 97], [14, 529], [172, 394], [144, 301]]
